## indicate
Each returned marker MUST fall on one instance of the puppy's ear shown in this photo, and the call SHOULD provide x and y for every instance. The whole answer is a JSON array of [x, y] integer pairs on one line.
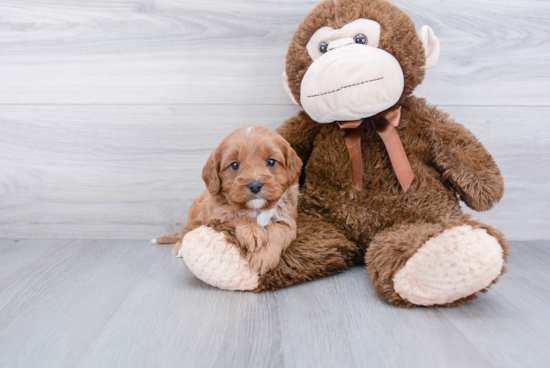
[[293, 162], [210, 173]]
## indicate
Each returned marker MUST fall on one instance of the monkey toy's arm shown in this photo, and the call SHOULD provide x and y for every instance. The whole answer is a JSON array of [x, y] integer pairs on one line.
[[300, 131], [463, 161]]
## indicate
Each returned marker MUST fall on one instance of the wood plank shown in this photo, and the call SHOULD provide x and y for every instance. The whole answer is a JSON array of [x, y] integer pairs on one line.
[[133, 171], [172, 319], [52, 309], [341, 321], [337, 321], [511, 323], [130, 304], [16, 254], [232, 52]]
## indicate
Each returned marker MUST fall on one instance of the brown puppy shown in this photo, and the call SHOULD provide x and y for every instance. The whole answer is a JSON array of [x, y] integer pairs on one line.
[[251, 185]]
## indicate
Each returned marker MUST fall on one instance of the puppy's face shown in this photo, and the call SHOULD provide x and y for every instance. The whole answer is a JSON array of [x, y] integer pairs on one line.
[[252, 167]]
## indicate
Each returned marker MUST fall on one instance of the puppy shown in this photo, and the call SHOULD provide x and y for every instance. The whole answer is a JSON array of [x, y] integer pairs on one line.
[[252, 187]]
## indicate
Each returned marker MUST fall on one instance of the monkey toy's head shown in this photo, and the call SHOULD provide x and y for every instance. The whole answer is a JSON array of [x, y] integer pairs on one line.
[[352, 59]]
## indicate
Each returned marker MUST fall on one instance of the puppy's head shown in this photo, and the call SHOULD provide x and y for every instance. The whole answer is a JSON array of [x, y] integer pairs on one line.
[[252, 168]]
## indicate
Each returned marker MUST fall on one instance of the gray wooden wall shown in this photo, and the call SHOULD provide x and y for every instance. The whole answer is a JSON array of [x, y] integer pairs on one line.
[[109, 108]]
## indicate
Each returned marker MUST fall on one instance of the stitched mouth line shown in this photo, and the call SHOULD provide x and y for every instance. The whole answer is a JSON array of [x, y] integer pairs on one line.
[[341, 88]]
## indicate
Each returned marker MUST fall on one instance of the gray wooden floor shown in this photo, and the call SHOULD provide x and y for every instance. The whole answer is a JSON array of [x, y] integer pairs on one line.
[[127, 303]]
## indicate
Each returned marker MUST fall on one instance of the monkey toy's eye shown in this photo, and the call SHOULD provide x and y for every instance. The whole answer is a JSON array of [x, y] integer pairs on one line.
[[234, 166], [360, 38], [323, 46], [271, 162]]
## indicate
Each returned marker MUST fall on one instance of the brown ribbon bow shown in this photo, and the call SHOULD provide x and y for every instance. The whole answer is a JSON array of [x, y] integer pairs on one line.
[[384, 123]]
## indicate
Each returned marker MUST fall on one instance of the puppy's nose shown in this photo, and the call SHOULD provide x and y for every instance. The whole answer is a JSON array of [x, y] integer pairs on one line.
[[255, 187]]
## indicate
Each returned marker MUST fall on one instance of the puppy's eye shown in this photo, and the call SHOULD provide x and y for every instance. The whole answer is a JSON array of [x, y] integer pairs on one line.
[[360, 38], [234, 166], [271, 162], [323, 46]]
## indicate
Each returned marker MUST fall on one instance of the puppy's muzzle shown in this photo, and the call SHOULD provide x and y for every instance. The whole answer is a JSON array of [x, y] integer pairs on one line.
[[255, 187]]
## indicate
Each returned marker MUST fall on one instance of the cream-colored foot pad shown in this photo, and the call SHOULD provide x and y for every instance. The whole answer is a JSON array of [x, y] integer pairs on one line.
[[457, 263], [215, 261]]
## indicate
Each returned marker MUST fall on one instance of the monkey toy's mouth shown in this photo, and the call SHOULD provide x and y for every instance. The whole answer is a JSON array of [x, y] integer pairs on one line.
[[350, 83], [348, 86]]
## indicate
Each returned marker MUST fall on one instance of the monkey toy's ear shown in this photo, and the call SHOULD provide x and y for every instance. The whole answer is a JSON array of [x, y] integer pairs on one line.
[[287, 88], [431, 46]]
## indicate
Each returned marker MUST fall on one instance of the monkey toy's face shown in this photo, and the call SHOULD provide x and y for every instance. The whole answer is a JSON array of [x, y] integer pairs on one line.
[[350, 77], [351, 59]]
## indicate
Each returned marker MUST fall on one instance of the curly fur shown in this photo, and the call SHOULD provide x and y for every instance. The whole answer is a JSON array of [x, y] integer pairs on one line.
[[227, 197]]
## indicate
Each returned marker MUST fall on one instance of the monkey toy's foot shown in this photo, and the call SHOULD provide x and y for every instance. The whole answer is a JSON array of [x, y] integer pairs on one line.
[[215, 260], [453, 265], [436, 264]]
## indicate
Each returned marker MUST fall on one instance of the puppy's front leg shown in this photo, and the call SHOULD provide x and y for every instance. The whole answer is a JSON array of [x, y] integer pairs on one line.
[[249, 234], [280, 235]]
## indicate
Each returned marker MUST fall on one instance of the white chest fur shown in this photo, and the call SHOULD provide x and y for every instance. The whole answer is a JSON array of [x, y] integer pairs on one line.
[[265, 217]]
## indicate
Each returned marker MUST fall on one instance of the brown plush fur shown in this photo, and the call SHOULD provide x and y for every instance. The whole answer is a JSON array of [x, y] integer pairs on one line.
[[392, 248], [318, 251], [443, 155], [382, 225], [338, 224], [227, 197], [328, 193]]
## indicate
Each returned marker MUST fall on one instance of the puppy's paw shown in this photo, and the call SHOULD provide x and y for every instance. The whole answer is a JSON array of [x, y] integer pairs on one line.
[[265, 259], [251, 236], [176, 249]]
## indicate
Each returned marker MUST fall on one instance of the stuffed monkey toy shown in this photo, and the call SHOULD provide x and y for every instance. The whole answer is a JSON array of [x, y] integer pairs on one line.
[[383, 170]]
